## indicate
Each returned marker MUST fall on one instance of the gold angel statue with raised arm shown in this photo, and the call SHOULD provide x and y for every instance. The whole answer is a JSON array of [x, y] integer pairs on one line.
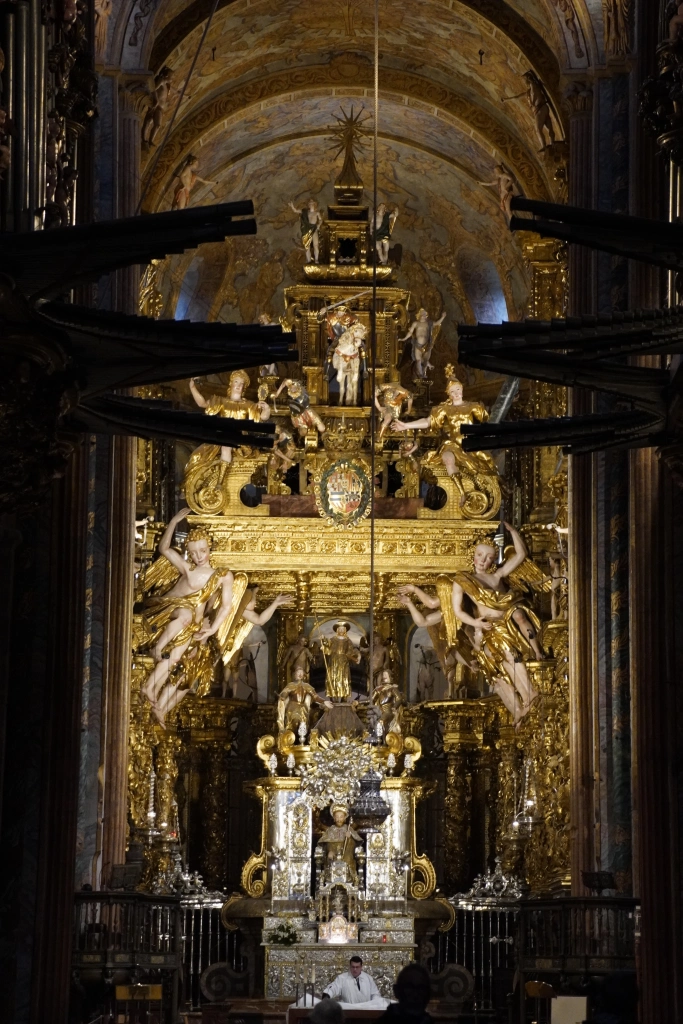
[[191, 602], [488, 618]]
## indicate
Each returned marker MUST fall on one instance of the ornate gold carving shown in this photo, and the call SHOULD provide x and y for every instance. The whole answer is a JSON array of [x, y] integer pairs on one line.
[[214, 488], [151, 301], [264, 748], [446, 925], [258, 862]]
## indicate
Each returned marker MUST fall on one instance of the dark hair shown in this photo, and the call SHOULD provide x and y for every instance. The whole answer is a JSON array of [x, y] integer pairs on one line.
[[356, 959], [414, 969]]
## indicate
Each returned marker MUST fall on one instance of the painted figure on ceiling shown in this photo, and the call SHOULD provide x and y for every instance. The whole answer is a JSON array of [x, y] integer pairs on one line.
[[159, 102]]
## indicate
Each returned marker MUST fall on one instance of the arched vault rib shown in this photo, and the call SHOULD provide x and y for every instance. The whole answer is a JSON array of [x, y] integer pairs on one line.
[[499, 13], [336, 74]]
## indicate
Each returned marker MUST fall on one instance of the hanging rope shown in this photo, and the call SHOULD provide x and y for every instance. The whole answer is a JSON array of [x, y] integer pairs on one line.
[[373, 347]]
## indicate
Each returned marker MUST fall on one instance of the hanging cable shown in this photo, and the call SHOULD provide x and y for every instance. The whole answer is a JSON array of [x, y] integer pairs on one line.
[[373, 345], [165, 139]]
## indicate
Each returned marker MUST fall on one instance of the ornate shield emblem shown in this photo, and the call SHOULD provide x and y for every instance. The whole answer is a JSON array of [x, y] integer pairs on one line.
[[342, 492]]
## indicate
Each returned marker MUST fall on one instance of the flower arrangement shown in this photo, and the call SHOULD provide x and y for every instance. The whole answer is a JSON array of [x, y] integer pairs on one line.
[[285, 934]]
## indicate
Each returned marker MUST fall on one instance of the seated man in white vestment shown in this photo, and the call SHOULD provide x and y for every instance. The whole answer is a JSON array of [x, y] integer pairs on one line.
[[355, 986]]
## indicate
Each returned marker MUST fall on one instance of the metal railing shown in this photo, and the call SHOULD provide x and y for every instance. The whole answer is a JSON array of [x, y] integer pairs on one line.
[[206, 942], [121, 938], [586, 935], [482, 940]]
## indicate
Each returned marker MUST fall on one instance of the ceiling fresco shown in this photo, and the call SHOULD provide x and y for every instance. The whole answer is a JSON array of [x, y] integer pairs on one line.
[[268, 82], [246, 42]]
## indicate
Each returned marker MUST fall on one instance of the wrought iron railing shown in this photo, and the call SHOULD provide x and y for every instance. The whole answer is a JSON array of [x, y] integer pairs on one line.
[[124, 937], [482, 940], [585, 935], [206, 942], [120, 938]]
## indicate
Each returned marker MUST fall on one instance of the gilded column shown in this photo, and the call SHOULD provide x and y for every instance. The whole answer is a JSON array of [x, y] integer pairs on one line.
[[214, 823], [117, 651], [462, 740]]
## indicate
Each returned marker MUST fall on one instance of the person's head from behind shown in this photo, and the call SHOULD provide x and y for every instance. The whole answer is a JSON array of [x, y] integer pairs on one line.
[[327, 1011], [355, 963], [413, 989]]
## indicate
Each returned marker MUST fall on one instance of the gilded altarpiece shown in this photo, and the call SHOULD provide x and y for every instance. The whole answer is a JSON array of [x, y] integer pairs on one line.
[[221, 768]]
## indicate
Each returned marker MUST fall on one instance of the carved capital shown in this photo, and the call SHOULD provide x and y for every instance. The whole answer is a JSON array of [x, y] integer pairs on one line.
[[578, 98]]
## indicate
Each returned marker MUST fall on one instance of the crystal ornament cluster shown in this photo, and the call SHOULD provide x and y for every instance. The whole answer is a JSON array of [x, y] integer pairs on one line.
[[334, 773]]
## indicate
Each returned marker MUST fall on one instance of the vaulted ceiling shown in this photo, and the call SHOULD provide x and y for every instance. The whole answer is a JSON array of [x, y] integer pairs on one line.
[[270, 77]]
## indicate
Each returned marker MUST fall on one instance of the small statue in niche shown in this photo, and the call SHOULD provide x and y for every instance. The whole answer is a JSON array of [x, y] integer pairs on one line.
[[303, 416], [447, 419], [340, 653], [389, 401], [298, 656], [340, 840], [338, 317], [348, 358], [233, 407], [382, 228], [159, 101], [420, 341], [187, 177], [311, 222], [241, 672], [380, 659], [426, 673], [506, 186], [409, 468], [559, 596], [295, 701], [388, 700]]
